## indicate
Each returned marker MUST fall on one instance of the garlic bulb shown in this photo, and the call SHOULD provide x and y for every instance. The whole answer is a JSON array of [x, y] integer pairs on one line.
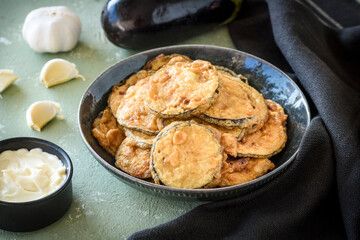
[[52, 29]]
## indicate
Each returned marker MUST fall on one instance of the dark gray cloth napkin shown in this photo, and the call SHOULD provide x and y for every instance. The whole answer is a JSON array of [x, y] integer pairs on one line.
[[318, 197]]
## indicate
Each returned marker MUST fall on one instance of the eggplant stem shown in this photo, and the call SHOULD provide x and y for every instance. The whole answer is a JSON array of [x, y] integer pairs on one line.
[[235, 12]]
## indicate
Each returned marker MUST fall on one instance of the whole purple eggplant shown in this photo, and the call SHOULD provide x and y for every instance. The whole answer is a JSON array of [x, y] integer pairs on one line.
[[143, 24]]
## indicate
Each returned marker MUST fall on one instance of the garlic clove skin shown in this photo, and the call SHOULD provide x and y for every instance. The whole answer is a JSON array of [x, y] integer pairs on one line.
[[40, 113], [57, 71], [52, 29]]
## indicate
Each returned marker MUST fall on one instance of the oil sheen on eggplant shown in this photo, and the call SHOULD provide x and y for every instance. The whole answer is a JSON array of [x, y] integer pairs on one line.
[[143, 24]]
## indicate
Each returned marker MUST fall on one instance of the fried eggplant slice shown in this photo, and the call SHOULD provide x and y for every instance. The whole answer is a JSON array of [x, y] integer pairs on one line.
[[241, 170], [237, 132], [270, 139], [230, 72], [237, 105], [228, 137], [159, 61], [133, 159], [142, 140], [182, 88], [132, 112], [186, 155], [119, 90], [107, 131]]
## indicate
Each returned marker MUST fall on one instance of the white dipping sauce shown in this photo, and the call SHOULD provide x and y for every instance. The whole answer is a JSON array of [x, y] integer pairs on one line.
[[29, 175]]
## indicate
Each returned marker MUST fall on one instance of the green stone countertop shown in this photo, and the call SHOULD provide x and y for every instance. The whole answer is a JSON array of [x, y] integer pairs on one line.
[[103, 207]]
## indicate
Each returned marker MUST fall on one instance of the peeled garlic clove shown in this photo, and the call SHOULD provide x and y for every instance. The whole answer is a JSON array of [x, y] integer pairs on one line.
[[40, 113], [57, 71], [7, 77]]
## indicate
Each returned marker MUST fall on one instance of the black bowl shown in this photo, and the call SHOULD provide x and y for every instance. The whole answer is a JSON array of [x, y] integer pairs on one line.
[[266, 78], [36, 214]]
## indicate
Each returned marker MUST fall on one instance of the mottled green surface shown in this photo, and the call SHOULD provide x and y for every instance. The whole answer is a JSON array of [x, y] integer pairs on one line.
[[103, 207]]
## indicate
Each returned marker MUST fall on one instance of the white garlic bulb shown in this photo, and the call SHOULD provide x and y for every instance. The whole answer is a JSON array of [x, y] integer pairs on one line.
[[52, 29]]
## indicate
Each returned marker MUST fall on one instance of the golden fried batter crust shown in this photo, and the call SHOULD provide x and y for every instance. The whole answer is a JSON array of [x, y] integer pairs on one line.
[[133, 159], [270, 139], [233, 102], [132, 112], [243, 170], [107, 132], [237, 104], [119, 90], [181, 87], [161, 60], [186, 155], [141, 139]]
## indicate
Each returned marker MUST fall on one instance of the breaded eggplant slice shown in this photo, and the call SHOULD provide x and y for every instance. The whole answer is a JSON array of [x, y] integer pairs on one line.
[[242, 170], [159, 61], [141, 139], [185, 155], [107, 131], [270, 139], [239, 77], [182, 88], [133, 159], [132, 112], [237, 132], [119, 90], [237, 105], [230, 72], [228, 137]]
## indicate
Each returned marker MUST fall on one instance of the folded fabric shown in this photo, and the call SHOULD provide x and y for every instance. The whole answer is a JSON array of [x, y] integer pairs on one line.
[[318, 196]]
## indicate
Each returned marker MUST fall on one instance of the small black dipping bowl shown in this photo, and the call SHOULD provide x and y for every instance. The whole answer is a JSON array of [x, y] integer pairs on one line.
[[36, 214]]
